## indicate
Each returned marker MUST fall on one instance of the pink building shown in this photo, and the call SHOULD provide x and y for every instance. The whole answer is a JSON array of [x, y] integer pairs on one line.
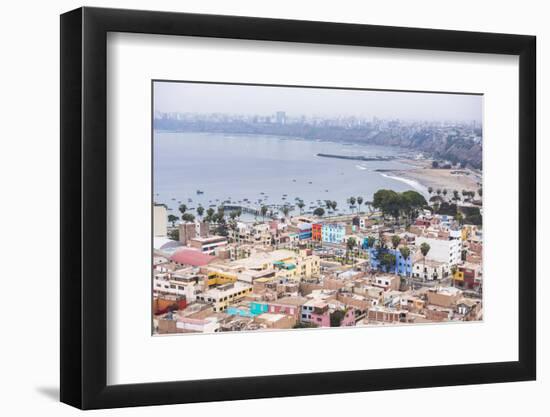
[[349, 318], [287, 305], [316, 312]]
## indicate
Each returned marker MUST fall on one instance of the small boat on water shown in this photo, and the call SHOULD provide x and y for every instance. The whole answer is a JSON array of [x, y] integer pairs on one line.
[[200, 192], [309, 182]]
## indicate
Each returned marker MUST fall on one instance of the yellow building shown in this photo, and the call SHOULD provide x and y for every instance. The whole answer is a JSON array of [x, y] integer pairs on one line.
[[286, 263], [216, 277]]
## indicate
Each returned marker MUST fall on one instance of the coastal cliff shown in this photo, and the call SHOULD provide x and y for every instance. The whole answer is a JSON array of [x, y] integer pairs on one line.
[[449, 143]]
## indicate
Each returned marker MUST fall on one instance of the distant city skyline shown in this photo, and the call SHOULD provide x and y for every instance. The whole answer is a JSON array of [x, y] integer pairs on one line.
[[188, 97]]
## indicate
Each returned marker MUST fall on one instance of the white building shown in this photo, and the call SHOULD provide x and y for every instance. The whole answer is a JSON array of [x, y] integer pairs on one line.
[[430, 270], [441, 250], [207, 325], [223, 295], [160, 220], [178, 283]]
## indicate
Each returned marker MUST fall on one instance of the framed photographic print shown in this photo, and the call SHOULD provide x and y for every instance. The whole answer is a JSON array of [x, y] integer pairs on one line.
[[258, 207]]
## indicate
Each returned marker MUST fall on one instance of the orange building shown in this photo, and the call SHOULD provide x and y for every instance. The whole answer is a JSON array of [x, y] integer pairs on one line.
[[316, 232]]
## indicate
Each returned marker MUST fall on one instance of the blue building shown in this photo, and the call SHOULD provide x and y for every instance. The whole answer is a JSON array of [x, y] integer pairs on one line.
[[333, 232], [257, 308], [402, 266], [253, 309]]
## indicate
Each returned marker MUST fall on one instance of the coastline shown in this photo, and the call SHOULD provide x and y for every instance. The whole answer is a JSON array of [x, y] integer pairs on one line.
[[416, 185], [422, 176]]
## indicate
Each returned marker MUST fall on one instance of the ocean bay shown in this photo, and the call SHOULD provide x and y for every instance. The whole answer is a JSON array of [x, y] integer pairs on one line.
[[254, 170]]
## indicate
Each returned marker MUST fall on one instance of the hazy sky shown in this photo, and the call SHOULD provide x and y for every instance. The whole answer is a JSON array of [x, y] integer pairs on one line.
[[261, 100]]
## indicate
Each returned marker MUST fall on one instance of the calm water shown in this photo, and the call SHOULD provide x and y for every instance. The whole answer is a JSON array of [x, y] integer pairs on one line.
[[239, 167]]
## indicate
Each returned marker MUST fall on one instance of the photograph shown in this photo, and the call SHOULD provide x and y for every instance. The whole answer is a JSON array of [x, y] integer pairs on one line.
[[280, 207]]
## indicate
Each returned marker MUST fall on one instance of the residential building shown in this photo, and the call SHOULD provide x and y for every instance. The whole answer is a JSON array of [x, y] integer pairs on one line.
[[446, 297], [160, 220], [260, 234], [317, 232], [387, 282], [316, 312], [276, 321], [187, 232], [467, 276], [429, 270], [333, 232], [286, 263], [222, 296], [442, 250], [304, 231], [201, 229], [287, 305], [402, 266], [387, 315], [208, 245]]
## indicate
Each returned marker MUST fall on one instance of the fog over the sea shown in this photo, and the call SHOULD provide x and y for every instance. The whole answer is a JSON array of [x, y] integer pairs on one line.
[[183, 97]]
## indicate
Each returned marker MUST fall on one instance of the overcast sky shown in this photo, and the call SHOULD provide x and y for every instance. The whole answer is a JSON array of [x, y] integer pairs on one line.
[[186, 97]]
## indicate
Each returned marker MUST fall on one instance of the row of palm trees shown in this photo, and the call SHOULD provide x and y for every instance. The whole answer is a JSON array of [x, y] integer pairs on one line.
[[212, 216], [359, 200], [456, 195]]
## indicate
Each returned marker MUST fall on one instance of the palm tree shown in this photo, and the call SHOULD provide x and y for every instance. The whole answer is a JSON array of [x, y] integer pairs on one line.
[[438, 191], [359, 202], [239, 212], [351, 203], [405, 253], [301, 205], [263, 211], [444, 192], [430, 190], [285, 210], [328, 204], [200, 211], [210, 214], [182, 208], [333, 204], [480, 192], [424, 249], [395, 241]]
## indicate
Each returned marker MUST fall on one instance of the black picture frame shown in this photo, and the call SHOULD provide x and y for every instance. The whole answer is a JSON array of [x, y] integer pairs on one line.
[[84, 207]]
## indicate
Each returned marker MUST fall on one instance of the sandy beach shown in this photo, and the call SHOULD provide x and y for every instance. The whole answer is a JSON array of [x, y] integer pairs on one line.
[[451, 179]]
